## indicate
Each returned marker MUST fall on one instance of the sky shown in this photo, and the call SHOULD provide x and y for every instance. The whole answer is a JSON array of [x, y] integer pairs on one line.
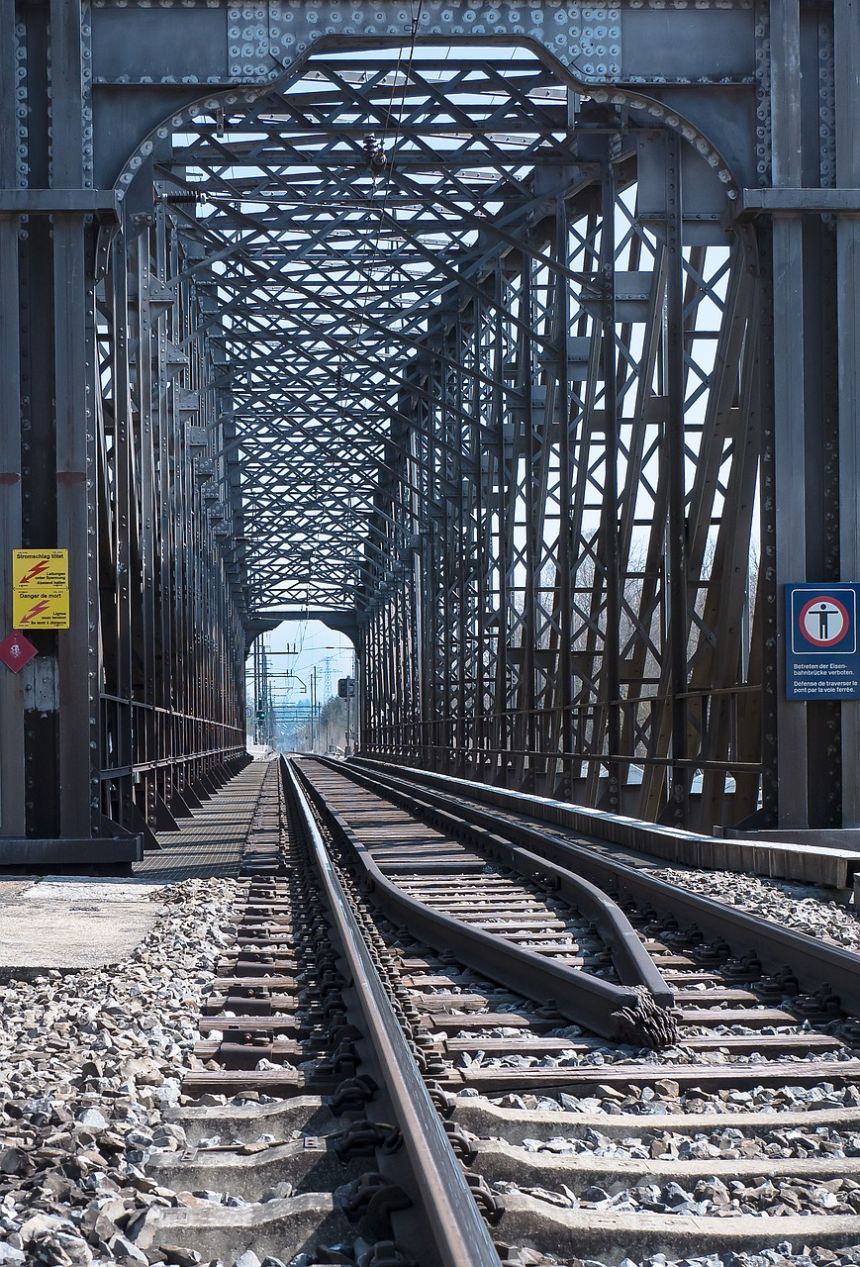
[[316, 646]]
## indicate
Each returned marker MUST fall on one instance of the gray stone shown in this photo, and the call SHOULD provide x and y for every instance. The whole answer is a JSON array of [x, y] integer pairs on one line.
[[43, 1224], [93, 1120], [182, 1257], [12, 1161], [123, 1249]]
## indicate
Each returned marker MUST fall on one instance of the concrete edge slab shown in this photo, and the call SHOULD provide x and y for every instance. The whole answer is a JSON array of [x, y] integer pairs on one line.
[[510, 1163], [284, 1227], [587, 1232], [483, 1118], [69, 924]]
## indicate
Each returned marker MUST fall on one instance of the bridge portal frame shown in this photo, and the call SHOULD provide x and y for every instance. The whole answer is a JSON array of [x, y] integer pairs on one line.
[[768, 88]]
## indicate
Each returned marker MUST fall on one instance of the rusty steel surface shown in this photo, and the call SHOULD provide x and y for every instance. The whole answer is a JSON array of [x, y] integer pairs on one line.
[[517, 342], [634, 965], [817, 964], [604, 1006]]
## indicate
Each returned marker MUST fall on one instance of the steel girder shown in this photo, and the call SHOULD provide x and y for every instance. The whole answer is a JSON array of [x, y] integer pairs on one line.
[[170, 524], [532, 584], [419, 304], [468, 340]]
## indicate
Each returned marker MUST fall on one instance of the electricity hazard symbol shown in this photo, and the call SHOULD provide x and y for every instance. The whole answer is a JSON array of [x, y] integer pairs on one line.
[[41, 611], [40, 589], [40, 569], [821, 653]]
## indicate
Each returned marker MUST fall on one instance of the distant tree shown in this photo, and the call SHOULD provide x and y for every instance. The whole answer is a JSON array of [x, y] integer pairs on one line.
[[329, 729], [332, 725]]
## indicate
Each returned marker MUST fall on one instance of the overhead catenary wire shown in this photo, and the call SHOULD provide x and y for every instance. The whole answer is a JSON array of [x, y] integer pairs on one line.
[[416, 18]]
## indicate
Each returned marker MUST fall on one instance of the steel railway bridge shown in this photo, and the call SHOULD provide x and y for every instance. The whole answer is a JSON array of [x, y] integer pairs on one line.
[[517, 339]]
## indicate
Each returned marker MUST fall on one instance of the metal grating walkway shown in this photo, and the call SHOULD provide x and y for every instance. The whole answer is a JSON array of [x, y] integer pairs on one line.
[[211, 842]]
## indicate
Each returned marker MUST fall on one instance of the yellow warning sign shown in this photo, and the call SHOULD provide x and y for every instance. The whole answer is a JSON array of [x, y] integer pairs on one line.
[[40, 569], [40, 589]]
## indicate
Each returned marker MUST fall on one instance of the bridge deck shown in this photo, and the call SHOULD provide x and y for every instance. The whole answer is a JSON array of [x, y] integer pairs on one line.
[[652, 844], [210, 843]]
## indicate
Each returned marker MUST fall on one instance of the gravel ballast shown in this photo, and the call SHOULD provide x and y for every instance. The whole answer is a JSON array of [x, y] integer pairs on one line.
[[801, 907], [89, 1064]]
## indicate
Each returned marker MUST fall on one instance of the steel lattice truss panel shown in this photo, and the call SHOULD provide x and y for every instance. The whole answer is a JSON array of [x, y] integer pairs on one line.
[[422, 267], [464, 326], [341, 215]]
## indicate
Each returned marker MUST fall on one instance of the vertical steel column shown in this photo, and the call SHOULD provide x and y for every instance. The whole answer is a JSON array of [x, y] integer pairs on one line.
[[459, 730], [77, 652], [566, 555], [610, 675], [428, 565], [789, 420], [676, 462], [255, 651], [846, 33], [12, 797], [359, 715], [156, 353], [481, 560], [148, 733], [500, 730], [525, 726], [362, 688], [122, 505], [419, 671]]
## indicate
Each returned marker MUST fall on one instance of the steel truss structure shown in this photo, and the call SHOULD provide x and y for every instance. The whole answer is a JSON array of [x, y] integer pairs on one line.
[[517, 341]]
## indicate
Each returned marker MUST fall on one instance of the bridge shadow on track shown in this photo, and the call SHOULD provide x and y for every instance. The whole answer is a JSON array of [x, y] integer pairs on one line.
[[210, 843]]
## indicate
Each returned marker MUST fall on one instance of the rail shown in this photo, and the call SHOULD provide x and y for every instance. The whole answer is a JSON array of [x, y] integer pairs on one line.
[[639, 1009], [815, 963], [460, 1233]]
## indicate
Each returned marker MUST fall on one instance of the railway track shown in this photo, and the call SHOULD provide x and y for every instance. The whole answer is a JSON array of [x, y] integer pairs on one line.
[[311, 1135], [450, 1050]]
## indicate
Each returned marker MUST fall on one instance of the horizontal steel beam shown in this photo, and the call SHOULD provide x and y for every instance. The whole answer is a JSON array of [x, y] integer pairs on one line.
[[782, 201], [47, 202], [96, 852]]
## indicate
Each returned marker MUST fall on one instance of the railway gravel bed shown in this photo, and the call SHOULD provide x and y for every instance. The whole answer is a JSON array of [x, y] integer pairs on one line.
[[803, 907], [90, 1067], [214, 1099], [299, 1150], [120, 1140]]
